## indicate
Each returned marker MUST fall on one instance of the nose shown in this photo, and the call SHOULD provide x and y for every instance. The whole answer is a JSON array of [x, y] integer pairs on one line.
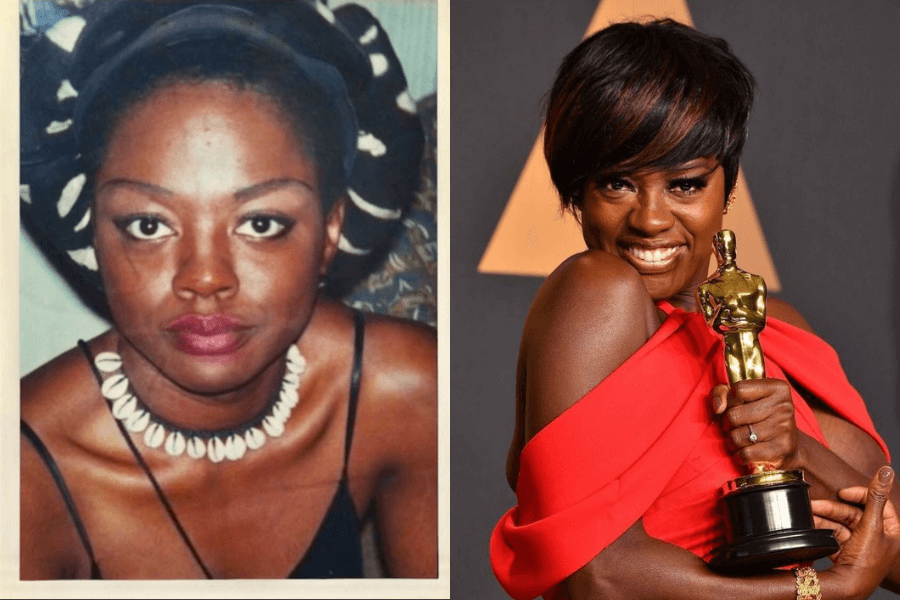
[[205, 268], [651, 214]]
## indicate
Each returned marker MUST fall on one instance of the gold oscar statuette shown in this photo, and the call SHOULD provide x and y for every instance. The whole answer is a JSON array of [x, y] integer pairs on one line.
[[768, 518]]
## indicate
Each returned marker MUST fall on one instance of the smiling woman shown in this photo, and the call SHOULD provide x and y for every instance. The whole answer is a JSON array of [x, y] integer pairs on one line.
[[234, 422], [626, 426]]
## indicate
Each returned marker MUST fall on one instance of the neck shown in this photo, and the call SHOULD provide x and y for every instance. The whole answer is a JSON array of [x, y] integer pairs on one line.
[[191, 410], [686, 300]]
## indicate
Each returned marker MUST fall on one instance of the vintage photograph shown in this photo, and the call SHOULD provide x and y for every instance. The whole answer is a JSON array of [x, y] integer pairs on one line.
[[228, 291]]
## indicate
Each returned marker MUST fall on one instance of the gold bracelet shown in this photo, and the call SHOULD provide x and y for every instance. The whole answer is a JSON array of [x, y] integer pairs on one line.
[[807, 584]]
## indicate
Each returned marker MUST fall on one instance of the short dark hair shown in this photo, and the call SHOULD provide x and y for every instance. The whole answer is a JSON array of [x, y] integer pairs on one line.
[[307, 112], [645, 95]]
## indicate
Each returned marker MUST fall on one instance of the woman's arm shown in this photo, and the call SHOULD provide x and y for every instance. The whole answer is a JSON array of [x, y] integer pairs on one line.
[[589, 317], [638, 566], [398, 418], [852, 458]]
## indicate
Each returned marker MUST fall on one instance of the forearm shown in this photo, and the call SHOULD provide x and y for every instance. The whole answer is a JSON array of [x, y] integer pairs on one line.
[[827, 472], [637, 566]]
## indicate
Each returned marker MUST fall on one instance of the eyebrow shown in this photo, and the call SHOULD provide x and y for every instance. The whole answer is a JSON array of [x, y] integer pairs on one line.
[[261, 189], [690, 166], [242, 195]]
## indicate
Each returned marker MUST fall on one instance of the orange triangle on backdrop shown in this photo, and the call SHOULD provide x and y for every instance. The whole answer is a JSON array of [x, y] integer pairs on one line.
[[533, 235]]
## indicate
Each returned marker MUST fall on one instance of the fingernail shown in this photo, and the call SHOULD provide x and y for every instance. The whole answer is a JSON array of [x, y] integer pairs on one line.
[[884, 475]]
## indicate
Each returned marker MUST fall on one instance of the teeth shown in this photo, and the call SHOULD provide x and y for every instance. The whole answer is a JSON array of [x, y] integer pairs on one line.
[[653, 256]]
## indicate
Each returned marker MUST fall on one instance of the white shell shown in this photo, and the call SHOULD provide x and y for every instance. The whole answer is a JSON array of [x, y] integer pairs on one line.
[[216, 450], [295, 368], [292, 380], [196, 448], [108, 362], [294, 355], [272, 426], [175, 444], [138, 421], [124, 406], [114, 387], [281, 412], [379, 64], [290, 397], [254, 438], [235, 447], [154, 435]]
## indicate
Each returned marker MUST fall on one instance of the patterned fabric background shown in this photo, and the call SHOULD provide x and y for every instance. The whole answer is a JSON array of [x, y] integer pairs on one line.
[[406, 285]]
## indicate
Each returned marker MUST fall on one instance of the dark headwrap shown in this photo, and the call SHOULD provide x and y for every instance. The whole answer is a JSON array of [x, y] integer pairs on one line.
[[345, 55]]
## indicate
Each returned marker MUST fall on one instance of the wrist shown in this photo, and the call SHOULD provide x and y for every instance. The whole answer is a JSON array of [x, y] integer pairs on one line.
[[800, 458], [831, 585]]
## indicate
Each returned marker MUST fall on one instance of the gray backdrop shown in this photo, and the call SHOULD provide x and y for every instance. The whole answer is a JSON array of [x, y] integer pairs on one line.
[[822, 162]]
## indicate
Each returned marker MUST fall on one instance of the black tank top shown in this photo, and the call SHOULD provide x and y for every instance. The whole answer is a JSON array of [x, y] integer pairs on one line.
[[335, 552]]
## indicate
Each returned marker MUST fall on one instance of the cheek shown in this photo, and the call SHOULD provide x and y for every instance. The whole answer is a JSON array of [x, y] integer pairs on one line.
[[275, 280], [601, 223], [133, 279], [282, 281]]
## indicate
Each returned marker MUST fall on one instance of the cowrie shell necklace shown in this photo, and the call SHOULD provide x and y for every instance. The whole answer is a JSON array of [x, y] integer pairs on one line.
[[214, 445]]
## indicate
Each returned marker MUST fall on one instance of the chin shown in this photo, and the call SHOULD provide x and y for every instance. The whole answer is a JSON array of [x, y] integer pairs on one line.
[[659, 288]]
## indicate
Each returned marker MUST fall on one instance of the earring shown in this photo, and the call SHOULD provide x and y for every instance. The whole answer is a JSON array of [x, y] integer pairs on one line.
[[729, 202]]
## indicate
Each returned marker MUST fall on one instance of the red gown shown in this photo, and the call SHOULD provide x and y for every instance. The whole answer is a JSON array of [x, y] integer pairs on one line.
[[644, 443]]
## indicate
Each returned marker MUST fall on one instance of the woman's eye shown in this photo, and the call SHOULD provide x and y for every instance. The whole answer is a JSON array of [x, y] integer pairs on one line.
[[263, 227], [147, 228], [688, 186], [614, 184]]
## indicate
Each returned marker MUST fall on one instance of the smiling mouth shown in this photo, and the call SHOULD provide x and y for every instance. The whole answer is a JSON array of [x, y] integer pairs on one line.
[[652, 260]]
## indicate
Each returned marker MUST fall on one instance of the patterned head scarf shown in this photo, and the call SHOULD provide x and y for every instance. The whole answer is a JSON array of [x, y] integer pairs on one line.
[[344, 54]]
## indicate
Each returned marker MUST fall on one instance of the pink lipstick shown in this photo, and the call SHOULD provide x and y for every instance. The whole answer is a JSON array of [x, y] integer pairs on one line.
[[207, 335]]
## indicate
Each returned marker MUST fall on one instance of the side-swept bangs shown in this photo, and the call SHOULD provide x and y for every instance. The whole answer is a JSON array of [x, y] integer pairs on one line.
[[645, 95]]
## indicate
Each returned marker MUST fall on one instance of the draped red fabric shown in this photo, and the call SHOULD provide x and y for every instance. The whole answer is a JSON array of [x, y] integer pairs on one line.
[[645, 440]]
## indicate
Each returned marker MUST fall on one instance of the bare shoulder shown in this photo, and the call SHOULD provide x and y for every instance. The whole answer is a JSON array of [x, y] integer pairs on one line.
[[60, 403], [783, 311], [62, 394], [588, 317], [398, 390]]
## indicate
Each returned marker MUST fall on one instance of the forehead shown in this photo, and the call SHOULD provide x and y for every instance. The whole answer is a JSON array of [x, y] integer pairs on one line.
[[204, 138]]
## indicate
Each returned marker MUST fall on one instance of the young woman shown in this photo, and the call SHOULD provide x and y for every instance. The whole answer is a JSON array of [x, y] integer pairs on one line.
[[234, 423], [626, 428]]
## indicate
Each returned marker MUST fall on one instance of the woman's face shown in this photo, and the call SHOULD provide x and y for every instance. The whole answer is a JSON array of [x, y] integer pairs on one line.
[[210, 234], [661, 221]]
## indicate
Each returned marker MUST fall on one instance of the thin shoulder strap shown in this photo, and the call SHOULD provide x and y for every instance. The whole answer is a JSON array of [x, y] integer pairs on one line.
[[45, 455], [359, 322], [146, 468]]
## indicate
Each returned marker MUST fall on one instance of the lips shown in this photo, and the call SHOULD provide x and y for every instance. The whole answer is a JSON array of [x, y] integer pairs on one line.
[[652, 259], [208, 335]]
